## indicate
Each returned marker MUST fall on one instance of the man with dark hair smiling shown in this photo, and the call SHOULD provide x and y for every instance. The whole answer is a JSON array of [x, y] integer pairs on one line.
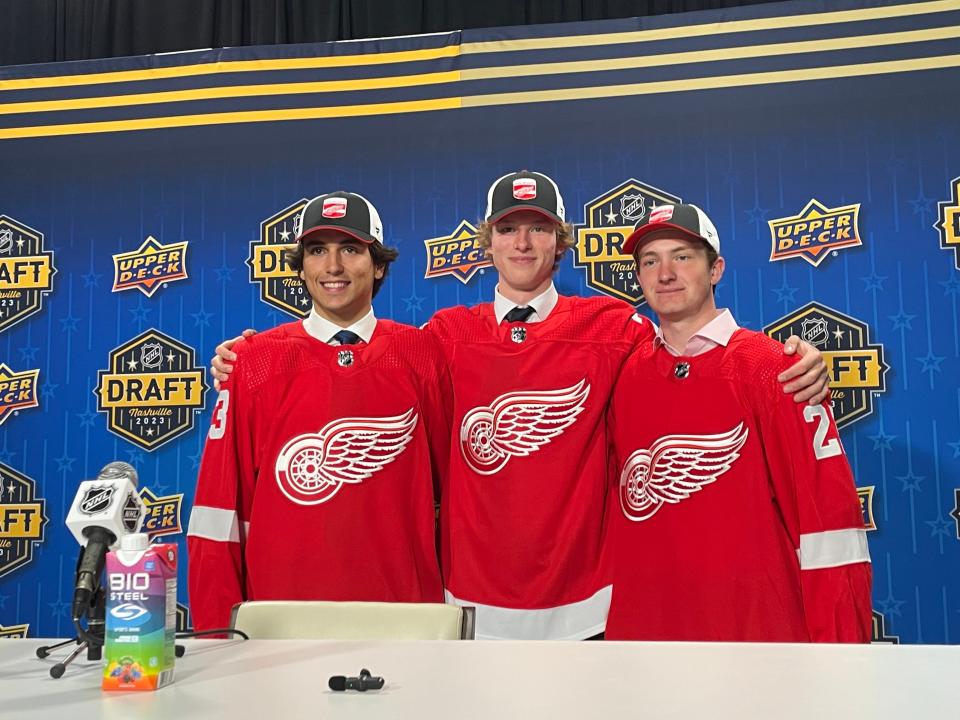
[[326, 443], [735, 515]]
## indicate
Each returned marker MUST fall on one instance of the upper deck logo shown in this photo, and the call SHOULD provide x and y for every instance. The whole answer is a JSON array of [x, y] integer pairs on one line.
[[458, 254], [948, 221], [22, 519], [608, 220], [815, 232], [14, 632], [855, 366], [26, 272], [150, 266], [148, 402], [17, 390], [163, 513], [280, 285]]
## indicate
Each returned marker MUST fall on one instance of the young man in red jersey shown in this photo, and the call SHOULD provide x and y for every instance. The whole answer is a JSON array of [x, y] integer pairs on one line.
[[739, 521], [522, 506], [326, 443]]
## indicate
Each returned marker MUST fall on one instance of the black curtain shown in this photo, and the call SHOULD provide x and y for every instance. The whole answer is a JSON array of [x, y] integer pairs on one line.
[[53, 30]]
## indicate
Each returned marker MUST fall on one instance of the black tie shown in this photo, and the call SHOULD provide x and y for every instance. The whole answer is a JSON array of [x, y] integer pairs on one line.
[[346, 337], [519, 314]]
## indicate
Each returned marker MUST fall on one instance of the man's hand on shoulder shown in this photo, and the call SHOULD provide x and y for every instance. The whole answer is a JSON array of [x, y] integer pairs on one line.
[[807, 378], [222, 363]]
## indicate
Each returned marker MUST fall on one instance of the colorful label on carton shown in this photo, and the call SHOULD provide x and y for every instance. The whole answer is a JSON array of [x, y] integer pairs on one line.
[[141, 618]]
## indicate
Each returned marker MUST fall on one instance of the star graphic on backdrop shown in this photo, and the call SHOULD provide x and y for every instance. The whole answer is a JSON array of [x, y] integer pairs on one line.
[[64, 462], [49, 389], [894, 164], [170, 358], [951, 286], [414, 302], [940, 526], [930, 362], [757, 215], [160, 488], [91, 279], [150, 432], [956, 448], [285, 234], [201, 318], [304, 301], [20, 243], [901, 321], [195, 458], [69, 323], [135, 456], [838, 333], [28, 353], [873, 281], [86, 418], [6, 456], [922, 206], [59, 608], [131, 364], [3, 601], [890, 605], [910, 481], [611, 217], [141, 312], [10, 488], [635, 288], [881, 441], [785, 293], [731, 178], [224, 272]]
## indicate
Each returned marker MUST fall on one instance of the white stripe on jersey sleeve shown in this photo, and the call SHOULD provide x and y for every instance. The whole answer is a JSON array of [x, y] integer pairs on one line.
[[213, 523], [833, 548]]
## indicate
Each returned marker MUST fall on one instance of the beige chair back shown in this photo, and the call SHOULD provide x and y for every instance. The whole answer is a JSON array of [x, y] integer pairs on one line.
[[297, 619]]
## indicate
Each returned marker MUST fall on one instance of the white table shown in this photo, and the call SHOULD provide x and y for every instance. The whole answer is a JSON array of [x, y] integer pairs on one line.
[[280, 679]]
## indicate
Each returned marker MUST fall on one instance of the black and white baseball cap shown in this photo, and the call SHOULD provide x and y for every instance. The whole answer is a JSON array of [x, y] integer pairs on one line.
[[688, 219], [524, 190], [344, 211]]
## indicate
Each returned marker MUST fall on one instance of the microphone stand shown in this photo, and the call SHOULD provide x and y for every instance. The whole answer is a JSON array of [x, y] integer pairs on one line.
[[90, 639]]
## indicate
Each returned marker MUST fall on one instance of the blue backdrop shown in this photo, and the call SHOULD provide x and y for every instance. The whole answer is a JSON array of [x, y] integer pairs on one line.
[[753, 114]]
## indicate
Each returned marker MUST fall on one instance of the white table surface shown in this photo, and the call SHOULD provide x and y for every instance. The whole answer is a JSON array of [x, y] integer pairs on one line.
[[279, 679]]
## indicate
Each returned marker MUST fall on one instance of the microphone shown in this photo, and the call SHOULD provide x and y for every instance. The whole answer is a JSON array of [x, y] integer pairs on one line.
[[366, 681], [103, 510]]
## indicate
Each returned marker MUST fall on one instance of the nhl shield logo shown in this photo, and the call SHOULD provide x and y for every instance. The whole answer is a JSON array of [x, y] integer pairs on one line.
[[96, 499], [345, 358], [856, 366], [280, 286], [6, 241], [151, 355], [608, 221]]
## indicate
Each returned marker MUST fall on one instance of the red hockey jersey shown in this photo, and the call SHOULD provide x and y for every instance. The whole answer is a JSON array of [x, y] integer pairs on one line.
[[521, 510], [318, 475], [735, 516]]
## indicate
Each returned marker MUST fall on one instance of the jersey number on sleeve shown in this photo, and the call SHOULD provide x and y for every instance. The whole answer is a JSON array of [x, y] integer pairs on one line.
[[822, 447], [218, 423]]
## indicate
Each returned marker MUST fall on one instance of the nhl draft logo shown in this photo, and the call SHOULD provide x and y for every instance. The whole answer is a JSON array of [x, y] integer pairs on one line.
[[955, 513], [280, 286], [855, 366], [151, 266], [312, 468], [948, 221], [163, 514], [14, 632], [608, 221], [97, 499], [675, 467], [18, 390], [26, 272], [22, 519], [458, 254], [866, 506], [518, 424], [183, 618], [879, 631], [152, 390], [814, 233]]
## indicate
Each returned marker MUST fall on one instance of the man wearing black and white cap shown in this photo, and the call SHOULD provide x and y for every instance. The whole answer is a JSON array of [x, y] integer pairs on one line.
[[326, 442], [522, 507], [738, 521]]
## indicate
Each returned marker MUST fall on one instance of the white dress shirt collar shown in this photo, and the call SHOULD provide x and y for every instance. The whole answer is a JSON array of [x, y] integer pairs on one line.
[[324, 330], [543, 304]]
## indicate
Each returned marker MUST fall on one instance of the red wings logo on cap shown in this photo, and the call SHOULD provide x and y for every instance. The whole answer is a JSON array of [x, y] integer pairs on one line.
[[524, 188], [312, 468], [334, 207], [661, 214], [675, 467], [518, 424]]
